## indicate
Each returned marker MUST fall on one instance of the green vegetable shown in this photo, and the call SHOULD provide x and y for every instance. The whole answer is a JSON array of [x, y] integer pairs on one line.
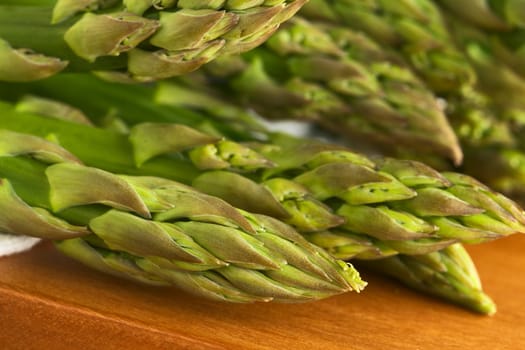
[[449, 274], [415, 28], [137, 39], [159, 231], [342, 80], [311, 185]]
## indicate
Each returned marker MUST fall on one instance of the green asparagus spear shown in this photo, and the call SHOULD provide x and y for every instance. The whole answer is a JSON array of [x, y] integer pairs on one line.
[[449, 274], [138, 39], [159, 231]]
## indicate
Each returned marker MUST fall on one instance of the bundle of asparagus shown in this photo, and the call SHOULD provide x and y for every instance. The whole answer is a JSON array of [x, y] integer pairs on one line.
[[501, 90], [372, 203], [322, 186], [210, 201], [159, 231]]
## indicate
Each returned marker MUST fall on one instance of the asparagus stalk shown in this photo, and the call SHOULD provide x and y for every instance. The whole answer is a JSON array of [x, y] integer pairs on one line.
[[449, 274], [158, 231], [137, 39], [128, 104], [399, 202]]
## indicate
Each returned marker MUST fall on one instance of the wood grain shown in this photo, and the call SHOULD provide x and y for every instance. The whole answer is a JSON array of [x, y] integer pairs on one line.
[[50, 302]]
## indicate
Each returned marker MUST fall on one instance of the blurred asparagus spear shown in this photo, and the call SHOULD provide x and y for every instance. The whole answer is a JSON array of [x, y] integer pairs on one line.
[[500, 98], [342, 80], [502, 21], [416, 29]]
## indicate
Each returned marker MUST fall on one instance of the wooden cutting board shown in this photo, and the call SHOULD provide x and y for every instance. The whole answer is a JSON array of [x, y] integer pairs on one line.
[[50, 302]]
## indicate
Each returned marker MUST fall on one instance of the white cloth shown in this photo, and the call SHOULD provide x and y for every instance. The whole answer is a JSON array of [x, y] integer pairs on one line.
[[293, 127], [11, 244]]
